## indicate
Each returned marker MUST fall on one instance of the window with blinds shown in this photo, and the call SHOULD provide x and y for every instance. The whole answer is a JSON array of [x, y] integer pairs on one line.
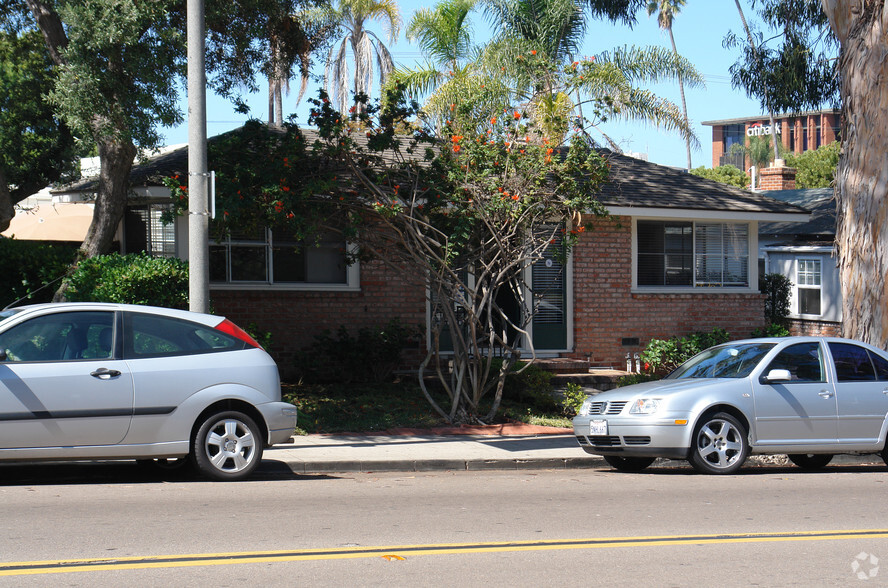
[[683, 253], [262, 257]]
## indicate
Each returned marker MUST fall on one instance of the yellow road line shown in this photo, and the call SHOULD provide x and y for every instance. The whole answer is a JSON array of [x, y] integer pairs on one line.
[[406, 551]]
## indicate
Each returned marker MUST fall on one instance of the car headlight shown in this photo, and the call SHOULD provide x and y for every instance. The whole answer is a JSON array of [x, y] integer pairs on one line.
[[587, 406], [645, 406]]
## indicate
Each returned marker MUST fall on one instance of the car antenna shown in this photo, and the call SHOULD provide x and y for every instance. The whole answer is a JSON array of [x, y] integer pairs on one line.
[[29, 294]]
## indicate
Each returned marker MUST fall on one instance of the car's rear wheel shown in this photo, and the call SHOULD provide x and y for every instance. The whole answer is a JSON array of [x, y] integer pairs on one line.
[[227, 446], [628, 464], [719, 445], [810, 461]]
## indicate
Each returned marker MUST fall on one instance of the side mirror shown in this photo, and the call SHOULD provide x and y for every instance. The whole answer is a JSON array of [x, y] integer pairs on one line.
[[776, 376]]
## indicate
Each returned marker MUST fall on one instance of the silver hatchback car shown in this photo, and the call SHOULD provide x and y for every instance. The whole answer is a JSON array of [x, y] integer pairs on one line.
[[807, 397], [114, 381]]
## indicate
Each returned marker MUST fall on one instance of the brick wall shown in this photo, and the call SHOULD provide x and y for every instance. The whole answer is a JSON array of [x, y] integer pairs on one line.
[[606, 310], [778, 178], [295, 317], [806, 328]]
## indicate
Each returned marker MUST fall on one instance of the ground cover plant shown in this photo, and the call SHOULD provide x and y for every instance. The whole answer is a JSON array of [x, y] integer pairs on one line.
[[339, 408]]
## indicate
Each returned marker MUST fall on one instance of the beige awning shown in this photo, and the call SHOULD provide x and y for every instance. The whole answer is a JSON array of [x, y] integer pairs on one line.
[[67, 221]]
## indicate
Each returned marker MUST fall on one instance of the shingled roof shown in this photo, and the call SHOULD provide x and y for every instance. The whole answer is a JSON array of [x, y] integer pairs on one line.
[[821, 225], [634, 183]]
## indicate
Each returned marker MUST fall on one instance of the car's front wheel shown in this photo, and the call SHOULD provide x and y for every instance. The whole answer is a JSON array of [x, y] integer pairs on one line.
[[810, 461], [719, 445], [227, 446], [628, 464]]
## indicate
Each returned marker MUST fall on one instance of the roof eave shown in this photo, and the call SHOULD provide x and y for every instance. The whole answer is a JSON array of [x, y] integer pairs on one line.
[[686, 213]]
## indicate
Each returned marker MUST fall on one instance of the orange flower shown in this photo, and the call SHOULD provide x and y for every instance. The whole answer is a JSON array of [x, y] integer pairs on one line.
[[533, 51], [493, 121], [516, 115], [456, 148]]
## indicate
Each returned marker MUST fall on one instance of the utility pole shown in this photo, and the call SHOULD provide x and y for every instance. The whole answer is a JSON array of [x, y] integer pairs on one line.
[[198, 216]]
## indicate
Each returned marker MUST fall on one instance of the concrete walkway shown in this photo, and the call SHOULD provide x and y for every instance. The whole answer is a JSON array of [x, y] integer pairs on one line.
[[510, 448]]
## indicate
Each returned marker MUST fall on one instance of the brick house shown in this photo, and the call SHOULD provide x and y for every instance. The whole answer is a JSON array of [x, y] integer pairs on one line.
[[798, 133], [677, 256]]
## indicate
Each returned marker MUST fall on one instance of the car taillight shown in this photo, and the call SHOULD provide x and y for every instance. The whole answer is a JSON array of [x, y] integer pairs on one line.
[[232, 329]]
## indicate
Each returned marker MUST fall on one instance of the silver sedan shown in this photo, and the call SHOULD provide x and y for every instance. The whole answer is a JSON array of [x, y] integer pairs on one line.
[[808, 397], [112, 381]]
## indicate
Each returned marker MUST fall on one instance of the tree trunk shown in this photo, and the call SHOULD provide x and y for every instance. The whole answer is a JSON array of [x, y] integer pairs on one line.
[[6, 209], [50, 26], [862, 174], [116, 160], [684, 105]]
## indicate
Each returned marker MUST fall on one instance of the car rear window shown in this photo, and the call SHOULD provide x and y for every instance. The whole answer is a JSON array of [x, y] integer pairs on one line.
[[149, 335], [852, 363]]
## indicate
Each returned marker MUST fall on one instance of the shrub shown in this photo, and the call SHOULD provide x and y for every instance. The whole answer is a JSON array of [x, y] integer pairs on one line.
[[532, 386], [370, 355], [771, 330], [28, 266], [777, 289], [573, 398], [131, 279], [661, 356]]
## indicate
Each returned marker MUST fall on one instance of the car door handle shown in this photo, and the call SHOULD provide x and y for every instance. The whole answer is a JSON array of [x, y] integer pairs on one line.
[[825, 394], [104, 374]]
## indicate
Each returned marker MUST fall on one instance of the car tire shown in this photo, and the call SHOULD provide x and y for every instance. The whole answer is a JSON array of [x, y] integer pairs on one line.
[[719, 444], [628, 464], [227, 446], [810, 461]]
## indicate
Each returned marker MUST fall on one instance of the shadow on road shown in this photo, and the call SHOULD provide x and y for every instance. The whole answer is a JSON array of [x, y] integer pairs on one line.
[[129, 472]]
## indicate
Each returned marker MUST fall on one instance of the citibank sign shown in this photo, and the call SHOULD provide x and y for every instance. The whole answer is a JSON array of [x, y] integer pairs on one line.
[[758, 129]]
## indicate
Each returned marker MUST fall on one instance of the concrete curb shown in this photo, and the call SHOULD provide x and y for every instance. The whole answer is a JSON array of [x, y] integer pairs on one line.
[[432, 465], [573, 463]]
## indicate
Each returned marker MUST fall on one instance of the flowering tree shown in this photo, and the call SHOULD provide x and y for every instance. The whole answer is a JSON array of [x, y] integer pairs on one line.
[[471, 210]]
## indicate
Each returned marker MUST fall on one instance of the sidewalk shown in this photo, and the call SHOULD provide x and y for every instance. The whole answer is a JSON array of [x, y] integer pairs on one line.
[[416, 450], [510, 447]]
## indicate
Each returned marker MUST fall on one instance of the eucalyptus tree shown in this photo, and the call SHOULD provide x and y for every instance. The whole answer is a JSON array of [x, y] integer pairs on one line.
[[666, 11], [366, 48]]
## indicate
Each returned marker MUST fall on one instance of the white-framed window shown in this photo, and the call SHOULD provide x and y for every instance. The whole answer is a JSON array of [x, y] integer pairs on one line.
[[263, 257], [672, 253], [808, 282]]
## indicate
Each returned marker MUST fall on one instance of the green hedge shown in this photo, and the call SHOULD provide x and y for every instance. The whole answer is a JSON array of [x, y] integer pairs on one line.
[[26, 266], [135, 278]]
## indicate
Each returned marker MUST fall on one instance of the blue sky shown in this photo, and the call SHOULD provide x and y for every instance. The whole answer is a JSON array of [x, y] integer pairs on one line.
[[699, 30]]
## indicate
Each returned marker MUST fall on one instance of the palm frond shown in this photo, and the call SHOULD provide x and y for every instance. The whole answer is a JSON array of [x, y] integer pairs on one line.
[[652, 64]]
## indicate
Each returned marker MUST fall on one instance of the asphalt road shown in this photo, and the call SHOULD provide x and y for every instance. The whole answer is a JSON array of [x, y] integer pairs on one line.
[[115, 525]]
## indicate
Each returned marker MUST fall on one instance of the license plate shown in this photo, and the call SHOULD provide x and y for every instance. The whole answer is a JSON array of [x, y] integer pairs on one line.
[[598, 427]]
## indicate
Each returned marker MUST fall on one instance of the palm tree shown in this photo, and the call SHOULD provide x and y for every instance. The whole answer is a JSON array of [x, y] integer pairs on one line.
[[667, 11], [452, 73], [352, 16], [755, 54], [292, 38], [554, 30]]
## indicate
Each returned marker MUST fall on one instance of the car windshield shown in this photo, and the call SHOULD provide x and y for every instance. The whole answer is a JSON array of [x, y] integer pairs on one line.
[[726, 361]]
